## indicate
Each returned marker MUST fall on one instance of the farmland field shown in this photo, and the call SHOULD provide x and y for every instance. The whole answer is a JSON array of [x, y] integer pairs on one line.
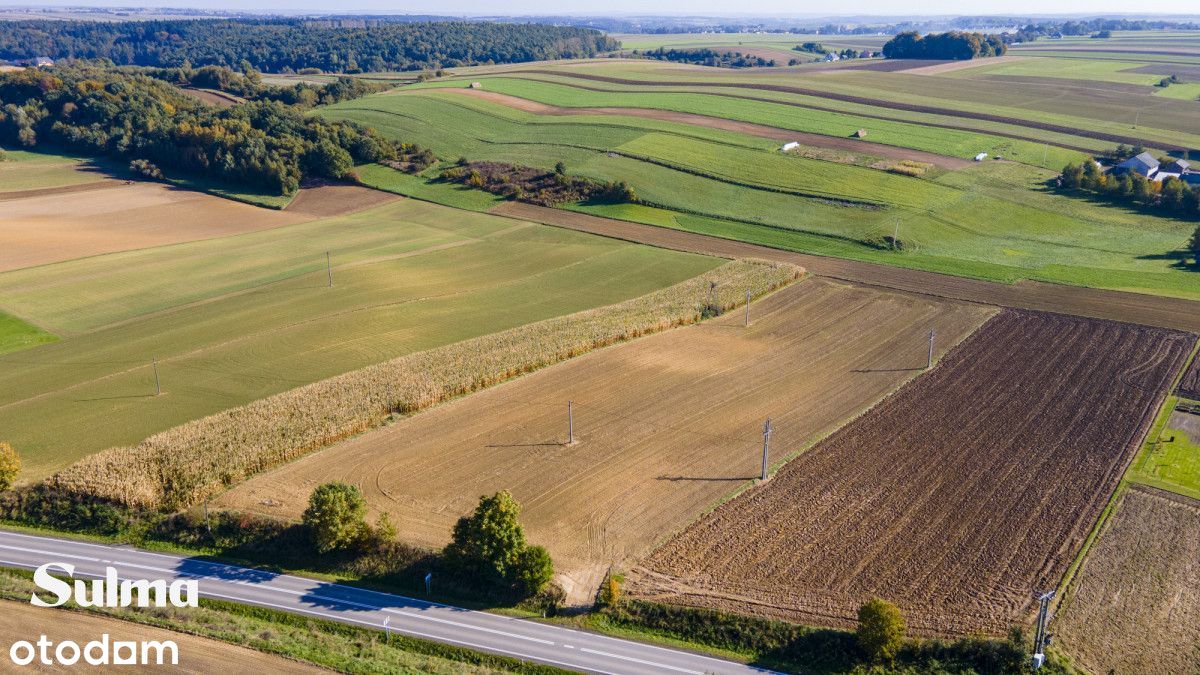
[[993, 220], [1134, 606], [1189, 386], [1172, 461], [234, 319], [665, 426], [48, 228], [22, 170], [955, 498]]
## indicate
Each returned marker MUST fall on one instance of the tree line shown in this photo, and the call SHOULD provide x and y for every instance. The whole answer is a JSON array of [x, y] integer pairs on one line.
[[952, 45], [102, 111], [709, 57], [286, 45], [248, 84]]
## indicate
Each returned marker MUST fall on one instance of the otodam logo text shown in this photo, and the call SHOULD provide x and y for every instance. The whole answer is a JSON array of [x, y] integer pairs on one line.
[[107, 592]]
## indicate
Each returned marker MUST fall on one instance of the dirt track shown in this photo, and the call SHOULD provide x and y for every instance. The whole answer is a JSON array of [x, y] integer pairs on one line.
[[1150, 310], [748, 128], [666, 426], [864, 100], [1135, 604], [955, 498]]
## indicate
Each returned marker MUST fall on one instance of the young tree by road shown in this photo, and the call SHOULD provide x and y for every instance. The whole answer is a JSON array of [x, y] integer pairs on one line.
[[880, 630], [336, 516]]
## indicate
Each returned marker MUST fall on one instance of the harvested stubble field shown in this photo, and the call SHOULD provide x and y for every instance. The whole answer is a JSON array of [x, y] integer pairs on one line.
[[956, 498], [196, 654], [49, 228], [665, 427], [187, 464], [1135, 605]]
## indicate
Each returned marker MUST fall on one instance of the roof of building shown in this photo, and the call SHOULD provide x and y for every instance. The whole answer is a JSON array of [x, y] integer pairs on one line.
[[1143, 163]]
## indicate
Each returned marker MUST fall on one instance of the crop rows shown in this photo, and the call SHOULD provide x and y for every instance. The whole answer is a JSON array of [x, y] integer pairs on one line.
[[189, 463], [957, 498]]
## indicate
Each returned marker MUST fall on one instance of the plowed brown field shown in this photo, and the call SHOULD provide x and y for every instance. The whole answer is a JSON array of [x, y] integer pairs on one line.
[[956, 498], [1135, 605], [665, 426], [1189, 386]]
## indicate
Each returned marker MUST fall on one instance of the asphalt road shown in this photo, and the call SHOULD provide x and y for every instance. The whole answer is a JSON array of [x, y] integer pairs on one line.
[[529, 640]]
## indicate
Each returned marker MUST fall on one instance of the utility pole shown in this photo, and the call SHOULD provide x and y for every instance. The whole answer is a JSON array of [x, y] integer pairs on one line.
[[1045, 154], [896, 236], [766, 447], [929, 361], [747, 309], [1136, 117], [329, 268], [157, 383], [570, 423], [1041, 638]]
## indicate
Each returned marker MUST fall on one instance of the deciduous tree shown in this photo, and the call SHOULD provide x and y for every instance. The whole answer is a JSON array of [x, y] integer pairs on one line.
[[336, 516], [880, 630]]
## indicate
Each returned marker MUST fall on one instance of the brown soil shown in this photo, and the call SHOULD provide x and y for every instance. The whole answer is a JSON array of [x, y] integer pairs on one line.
[[22, 621], [323, 201], [665, 426], [956, 498], [67, 223], [1135, 604], [214, 98], [1137, 308], [100, 184], [1189, 386], [1188, 72], [866, 100], [748, 128], [940, 67]]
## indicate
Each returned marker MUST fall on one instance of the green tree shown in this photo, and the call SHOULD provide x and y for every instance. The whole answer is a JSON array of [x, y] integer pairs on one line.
[[10, 465], [489, 547], [880, 630], [336, 516], [1194, 246], [560, 168], [328, 159]]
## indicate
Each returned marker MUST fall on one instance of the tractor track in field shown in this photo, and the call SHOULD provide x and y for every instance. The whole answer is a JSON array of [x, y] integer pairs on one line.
[[881, 103], [1138, 308]]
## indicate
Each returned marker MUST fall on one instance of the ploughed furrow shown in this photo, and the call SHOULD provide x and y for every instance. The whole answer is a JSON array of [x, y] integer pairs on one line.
[[956, 498]]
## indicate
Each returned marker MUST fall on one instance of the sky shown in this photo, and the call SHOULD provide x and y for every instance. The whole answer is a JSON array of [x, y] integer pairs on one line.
[[664, 7]]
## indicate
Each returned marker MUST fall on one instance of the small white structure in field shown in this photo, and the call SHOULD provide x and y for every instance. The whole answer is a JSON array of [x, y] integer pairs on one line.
[[980, 157], [788, 147], [477, 85]]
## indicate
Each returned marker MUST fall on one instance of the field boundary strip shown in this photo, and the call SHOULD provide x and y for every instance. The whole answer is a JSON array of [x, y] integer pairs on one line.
[[1098, 303], [182, 466]]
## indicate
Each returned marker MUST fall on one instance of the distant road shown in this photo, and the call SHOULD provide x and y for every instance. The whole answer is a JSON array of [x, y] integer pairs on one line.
[[1139, 308], [528, 640]]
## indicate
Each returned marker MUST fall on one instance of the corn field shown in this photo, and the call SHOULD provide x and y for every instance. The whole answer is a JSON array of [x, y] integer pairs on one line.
[[183, 466]]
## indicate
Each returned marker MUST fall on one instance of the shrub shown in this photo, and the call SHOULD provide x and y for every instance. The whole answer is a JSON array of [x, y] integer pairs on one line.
[[10, 465], [145, 168], [880, 630], [488, 547], [335, 516], [610, 591]]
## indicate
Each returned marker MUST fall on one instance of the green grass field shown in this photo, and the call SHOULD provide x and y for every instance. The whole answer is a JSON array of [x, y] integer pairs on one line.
[[1173, 462], [994, 220], [24, 170], [16, 334], [236, 319]]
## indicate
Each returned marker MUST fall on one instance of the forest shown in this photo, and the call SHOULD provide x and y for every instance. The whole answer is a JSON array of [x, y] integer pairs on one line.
[[108, 112], [287, 45], [708, 57], [952, 45]]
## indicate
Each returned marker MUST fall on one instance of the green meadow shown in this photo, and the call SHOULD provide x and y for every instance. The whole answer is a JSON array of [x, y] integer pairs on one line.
[[993, 220], [236, 319], [24, 170]]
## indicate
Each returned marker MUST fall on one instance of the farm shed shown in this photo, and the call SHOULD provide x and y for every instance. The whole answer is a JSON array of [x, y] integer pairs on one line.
[[1145, 164], [788, 147], [981, 156]]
